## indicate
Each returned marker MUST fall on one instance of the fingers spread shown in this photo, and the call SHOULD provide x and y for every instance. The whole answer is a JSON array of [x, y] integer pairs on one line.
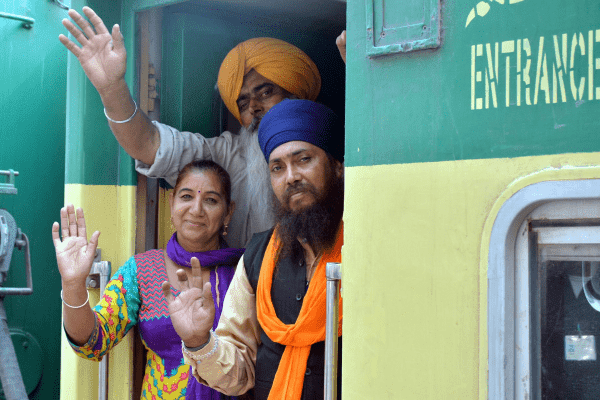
[[93, 243], [183, 279], [81, 224], [118, 40], [197, 280], [72, 221], [95, 20], [207, 295], [82, 23], [64, 223], [166, 289], [72, 47], [73, 30], [55, 234]]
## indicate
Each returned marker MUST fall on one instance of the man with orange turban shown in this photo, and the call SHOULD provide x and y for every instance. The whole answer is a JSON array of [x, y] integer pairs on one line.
[[255, 75]]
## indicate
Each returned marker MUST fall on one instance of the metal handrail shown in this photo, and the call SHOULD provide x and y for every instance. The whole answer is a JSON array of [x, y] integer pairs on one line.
[[102, 269], [22, 241], [27, 21], [8, 187], [333, 272]]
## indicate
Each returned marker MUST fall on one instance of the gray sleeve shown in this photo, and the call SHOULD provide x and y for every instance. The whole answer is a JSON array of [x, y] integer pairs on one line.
[[180, 148]]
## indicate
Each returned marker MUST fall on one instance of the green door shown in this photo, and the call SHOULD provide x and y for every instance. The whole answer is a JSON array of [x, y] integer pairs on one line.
[[32, 142]]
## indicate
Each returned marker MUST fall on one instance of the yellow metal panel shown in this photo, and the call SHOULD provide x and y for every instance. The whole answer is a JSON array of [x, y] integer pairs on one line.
[[415, 271], [165, 227], [111, 210]]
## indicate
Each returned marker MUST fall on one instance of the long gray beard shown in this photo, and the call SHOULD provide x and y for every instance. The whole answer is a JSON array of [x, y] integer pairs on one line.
[[259, 184]]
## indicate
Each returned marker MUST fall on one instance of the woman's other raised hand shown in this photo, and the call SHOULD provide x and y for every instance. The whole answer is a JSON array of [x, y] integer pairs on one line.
[[102, 54], [193, 311], [74, 254]]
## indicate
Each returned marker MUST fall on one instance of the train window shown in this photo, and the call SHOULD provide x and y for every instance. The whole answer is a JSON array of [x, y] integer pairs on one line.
[[544, 293], [563, 323]]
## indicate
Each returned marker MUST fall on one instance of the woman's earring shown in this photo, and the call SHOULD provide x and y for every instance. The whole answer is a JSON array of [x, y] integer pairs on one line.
[[225, 230]]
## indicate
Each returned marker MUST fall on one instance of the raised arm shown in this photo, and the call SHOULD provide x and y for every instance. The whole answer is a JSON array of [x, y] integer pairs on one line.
[[103, 57], [193, 311], [226, 361], [75, 255]]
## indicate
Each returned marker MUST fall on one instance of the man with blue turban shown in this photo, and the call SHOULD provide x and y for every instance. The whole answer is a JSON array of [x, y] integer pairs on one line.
[[272, 329]]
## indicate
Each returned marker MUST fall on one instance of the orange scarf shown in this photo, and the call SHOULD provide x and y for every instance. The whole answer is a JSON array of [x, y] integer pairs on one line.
[[309, 327]]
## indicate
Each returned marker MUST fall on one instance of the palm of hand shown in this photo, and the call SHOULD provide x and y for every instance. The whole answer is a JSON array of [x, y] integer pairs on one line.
[[101, 63], [190, 313], [74, 258]]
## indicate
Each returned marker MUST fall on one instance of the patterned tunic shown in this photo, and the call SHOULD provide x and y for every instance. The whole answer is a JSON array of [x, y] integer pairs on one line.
[[134, 296]]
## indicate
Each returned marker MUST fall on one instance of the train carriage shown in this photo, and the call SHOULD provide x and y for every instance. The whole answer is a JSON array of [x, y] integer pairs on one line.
[[471, 262]]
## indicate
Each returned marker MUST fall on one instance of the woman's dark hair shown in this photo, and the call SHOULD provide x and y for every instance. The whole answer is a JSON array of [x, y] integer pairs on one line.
[[207, 165]]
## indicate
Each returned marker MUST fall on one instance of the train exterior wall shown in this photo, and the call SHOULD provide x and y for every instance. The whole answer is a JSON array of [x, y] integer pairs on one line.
[[99, 177], [436, 141], [32, 142]]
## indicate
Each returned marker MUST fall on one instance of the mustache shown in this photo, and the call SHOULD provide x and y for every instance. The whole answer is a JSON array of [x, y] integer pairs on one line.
[[255, 122], [297, 188]]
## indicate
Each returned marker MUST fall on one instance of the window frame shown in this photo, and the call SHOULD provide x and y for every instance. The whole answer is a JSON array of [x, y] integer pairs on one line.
[[506, 253]]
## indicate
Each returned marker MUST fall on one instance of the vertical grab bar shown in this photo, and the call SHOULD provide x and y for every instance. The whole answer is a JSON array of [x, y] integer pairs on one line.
[[102, 270], [333, 273]]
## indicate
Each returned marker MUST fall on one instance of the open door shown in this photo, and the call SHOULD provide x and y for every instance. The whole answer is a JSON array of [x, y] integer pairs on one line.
[[174, 53]]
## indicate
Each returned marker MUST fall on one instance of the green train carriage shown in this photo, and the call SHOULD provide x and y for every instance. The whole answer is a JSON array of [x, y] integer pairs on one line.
[[472, 183]]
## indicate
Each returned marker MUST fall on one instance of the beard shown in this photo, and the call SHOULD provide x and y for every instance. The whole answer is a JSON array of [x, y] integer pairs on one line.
[[258, 187], [316, 224], [253, 127]]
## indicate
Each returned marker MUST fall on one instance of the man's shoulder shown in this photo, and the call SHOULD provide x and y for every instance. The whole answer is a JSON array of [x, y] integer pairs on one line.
[[254, 253], [258, 244]]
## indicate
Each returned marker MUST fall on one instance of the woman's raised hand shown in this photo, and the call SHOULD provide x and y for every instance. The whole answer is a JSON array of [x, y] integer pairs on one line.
[[74, 254], [102, 54], [193, 311]]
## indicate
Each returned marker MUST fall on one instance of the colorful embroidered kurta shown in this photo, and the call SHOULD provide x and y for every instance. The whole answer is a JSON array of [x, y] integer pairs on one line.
[[134, 296]]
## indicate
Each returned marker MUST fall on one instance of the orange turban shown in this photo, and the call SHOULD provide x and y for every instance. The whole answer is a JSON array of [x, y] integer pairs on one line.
[[278, 61]]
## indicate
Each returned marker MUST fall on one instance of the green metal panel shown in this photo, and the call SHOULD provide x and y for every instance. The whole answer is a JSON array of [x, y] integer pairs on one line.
[[93, 155], [190, 72], [394, 27], [32, 142], [511, 78]]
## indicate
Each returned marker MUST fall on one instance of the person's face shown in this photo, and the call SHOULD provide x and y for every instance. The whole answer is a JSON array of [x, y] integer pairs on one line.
[[301, 173], [257, 96], [199, 210]]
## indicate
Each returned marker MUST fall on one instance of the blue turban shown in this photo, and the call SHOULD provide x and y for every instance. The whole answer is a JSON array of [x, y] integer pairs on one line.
[[302, 120]]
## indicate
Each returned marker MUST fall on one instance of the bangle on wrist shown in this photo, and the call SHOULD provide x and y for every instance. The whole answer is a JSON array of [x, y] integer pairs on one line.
[[210, 333], [125, 120], [70, 306], [188, 351], [194, 349]]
